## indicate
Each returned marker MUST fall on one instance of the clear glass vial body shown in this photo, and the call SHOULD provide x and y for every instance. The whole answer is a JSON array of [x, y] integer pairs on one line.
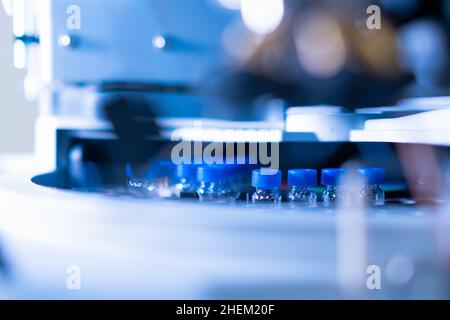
[[266, 195], [373, 195], [213, 191], [304, 196], [185, 186], [137, 183], [335, 195], [335, 192], [143, 187], [151, 181]]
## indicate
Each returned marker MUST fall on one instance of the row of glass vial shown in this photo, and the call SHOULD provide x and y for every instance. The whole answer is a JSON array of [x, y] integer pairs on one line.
[[303, 184], [225, 182], [209, 182], [218, 183]]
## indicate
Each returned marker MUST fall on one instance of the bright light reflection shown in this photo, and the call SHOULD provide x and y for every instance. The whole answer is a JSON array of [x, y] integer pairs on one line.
[[320, 45], [262, 16], [19, 54]]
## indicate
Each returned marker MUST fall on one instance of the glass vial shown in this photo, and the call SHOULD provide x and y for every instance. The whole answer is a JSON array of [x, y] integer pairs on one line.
[[334, 192], [211, 184], [372, 193], [302, 183], [267, 183]]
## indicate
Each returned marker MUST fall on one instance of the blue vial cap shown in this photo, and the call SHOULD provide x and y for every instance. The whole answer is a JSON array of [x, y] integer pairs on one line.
[[211, 173], [331, 176], [186, 171], [266, 178], [302, 178], [373, 176]]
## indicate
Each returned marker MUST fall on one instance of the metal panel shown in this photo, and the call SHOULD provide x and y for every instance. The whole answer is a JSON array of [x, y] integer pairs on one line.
[[115, 41]]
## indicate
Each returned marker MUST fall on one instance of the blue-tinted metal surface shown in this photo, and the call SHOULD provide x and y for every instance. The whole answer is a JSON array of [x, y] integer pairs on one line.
[[115, 41]]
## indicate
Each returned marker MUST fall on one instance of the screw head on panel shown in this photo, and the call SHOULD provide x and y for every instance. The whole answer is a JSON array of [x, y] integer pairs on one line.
[[159, 42], [66, 41]]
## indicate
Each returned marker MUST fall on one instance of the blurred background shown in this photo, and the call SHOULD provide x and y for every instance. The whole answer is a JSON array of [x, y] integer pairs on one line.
[[307, 73], [17, 116], [354, 68]]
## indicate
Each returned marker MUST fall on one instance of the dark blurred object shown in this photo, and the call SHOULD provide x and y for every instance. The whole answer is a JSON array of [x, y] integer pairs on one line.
[[133, 122], [325, 53]]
